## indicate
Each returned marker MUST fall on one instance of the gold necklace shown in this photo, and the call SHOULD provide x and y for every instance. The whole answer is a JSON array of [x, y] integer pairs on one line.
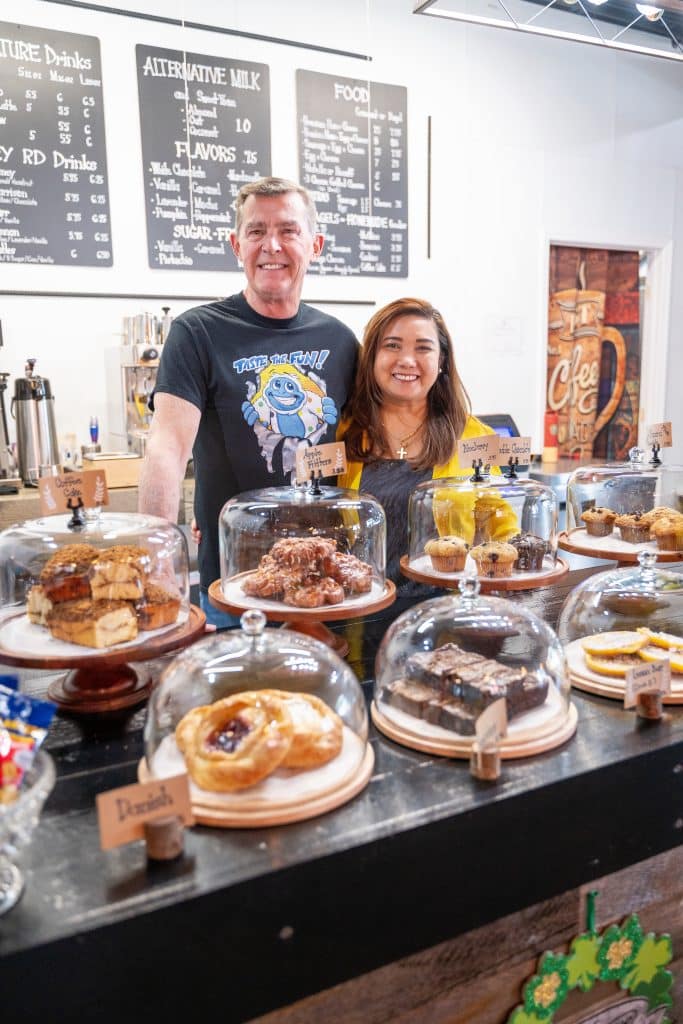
[[402, 451]]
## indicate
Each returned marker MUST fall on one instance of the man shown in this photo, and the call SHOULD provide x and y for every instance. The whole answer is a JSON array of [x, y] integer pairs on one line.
[[243, 381]]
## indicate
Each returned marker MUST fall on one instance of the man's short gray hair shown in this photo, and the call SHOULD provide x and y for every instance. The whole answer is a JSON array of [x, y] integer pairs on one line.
[[274, 187]]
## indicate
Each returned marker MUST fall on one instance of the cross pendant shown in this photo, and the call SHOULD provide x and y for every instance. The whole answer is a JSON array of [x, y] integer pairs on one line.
[[402, 452]]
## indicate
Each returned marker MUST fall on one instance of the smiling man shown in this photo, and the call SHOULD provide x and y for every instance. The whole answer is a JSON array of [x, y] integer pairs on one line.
[[243, 381]]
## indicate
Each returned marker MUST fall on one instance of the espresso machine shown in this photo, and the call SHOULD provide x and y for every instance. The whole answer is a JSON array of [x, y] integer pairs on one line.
[[33, 408], [131, 377]]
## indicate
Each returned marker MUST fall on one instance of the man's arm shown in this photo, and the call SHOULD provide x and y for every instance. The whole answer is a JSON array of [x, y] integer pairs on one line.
[[171, 436]]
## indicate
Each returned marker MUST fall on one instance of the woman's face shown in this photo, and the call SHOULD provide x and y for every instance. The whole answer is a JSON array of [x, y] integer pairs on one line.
[[407, 359]]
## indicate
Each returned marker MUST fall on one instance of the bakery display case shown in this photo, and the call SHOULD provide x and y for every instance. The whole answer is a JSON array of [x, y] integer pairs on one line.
[[502, 528], [270, 725], [621, 619], [446, 660], [304, 554], [92, 596], [616, 511]]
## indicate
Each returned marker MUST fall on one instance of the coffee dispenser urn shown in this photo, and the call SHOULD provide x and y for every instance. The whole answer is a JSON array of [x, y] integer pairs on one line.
[[33, 409]]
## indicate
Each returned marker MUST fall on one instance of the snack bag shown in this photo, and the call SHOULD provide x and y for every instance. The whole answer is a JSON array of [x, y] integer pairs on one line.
[[24, 723]]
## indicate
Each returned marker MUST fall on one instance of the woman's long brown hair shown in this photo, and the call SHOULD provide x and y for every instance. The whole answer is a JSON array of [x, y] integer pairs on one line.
[[448, 404]]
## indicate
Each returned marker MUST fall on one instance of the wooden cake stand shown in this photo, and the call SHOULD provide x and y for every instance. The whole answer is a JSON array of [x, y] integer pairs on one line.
[[284, 797], [583, 678], [612, 547], [421, 571], [228, 596], [534, 732], [99, 681]]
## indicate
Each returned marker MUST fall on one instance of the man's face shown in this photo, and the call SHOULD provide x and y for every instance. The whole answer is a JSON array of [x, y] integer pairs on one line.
[[276, 246]]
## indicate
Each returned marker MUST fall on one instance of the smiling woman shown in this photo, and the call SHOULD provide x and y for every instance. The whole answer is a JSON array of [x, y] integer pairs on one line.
[[408, 411]]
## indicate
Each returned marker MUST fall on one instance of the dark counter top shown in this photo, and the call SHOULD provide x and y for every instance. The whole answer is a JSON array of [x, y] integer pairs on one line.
[[263, 917]]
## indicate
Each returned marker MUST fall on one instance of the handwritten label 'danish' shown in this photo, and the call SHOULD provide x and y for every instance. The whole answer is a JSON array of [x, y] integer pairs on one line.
[[122, 812]]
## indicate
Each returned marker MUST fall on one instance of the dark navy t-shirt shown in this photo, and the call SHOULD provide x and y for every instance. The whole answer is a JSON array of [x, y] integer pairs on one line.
[[263, 385]]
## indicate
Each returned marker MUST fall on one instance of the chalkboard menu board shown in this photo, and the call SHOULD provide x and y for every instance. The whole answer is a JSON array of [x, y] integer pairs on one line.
[[54, 201], [353, 159], [205, 132]]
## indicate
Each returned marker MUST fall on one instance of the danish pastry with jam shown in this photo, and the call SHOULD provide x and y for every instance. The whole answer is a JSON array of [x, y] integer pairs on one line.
[[235, 742], [317, 736]]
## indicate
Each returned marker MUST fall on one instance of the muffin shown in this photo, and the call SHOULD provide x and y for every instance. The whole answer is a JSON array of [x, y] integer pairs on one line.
[[634, 529], [599, 521], [655, 514], [494, 559], [668, 532], [530, 551], [447, 554]]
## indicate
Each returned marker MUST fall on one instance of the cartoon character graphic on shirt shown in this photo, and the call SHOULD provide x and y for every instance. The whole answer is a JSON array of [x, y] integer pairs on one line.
[[287, 405]]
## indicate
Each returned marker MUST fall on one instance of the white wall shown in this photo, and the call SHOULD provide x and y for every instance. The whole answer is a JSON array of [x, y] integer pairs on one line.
[[534, 140]]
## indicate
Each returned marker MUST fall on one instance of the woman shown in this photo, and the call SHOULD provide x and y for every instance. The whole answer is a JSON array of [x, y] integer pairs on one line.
[[408, 410]]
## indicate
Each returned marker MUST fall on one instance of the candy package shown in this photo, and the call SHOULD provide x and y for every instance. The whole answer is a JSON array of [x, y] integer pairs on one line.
[[24, 723]]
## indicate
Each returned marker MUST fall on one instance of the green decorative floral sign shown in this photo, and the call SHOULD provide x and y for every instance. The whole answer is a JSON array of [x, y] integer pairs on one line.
[[621, 954]]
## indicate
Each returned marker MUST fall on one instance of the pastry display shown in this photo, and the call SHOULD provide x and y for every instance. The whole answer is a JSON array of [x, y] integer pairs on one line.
[[668, 532], [99, 597], [599, 521], [308, 572], [92, 623], [450, 687], [633, 529], [65, 576], [530, 552], [615, 652], [447, 554], [240, 740], [494, 559]]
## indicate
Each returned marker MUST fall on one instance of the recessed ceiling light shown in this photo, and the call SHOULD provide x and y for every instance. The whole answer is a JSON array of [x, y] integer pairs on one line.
[[649, 12]]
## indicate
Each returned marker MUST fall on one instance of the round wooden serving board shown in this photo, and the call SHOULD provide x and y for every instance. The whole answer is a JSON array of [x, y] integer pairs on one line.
[[420, 570], [612, 547], [215, 809], [583, 678], [549, 731], [100, 680]]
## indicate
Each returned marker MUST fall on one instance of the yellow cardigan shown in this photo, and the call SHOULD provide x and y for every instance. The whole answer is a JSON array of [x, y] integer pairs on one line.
[[453, 510]]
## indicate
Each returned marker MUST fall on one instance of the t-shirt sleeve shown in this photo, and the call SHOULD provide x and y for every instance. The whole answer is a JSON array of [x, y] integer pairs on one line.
[[182, 371]]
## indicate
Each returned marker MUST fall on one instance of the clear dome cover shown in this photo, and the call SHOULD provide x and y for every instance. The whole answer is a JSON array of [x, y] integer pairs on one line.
[[303, 547], [499, 527], [623, 618], [615, 509], [258, 716], [117, 579], [443, 662]]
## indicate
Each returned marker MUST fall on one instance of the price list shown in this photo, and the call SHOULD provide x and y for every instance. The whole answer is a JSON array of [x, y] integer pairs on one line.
[[54, 200], [352, 137], [205, 132]]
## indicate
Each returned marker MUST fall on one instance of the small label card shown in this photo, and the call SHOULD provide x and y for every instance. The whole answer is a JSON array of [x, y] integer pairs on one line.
[[484, 448], [492, 725], [653, 677], [122, 812], [514, 448], [84, 489], [320, 460], [660, 433]]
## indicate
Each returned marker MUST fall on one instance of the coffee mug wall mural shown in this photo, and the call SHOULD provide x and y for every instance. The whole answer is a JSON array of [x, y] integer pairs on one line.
[[593, 380]]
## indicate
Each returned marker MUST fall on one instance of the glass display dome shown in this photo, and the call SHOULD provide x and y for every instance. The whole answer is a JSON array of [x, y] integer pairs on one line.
[[504, 529], [117, 578], [619, 510], [443, 662], [621, 619], [303, 547], [269, 724]]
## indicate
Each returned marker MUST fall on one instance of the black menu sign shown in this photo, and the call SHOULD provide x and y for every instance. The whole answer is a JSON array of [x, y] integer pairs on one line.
[[54, 202], [205, 132], [353, 159]]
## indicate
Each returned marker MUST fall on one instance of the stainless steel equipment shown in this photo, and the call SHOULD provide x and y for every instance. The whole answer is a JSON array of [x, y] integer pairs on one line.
[[9, 479], [33, 409]]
